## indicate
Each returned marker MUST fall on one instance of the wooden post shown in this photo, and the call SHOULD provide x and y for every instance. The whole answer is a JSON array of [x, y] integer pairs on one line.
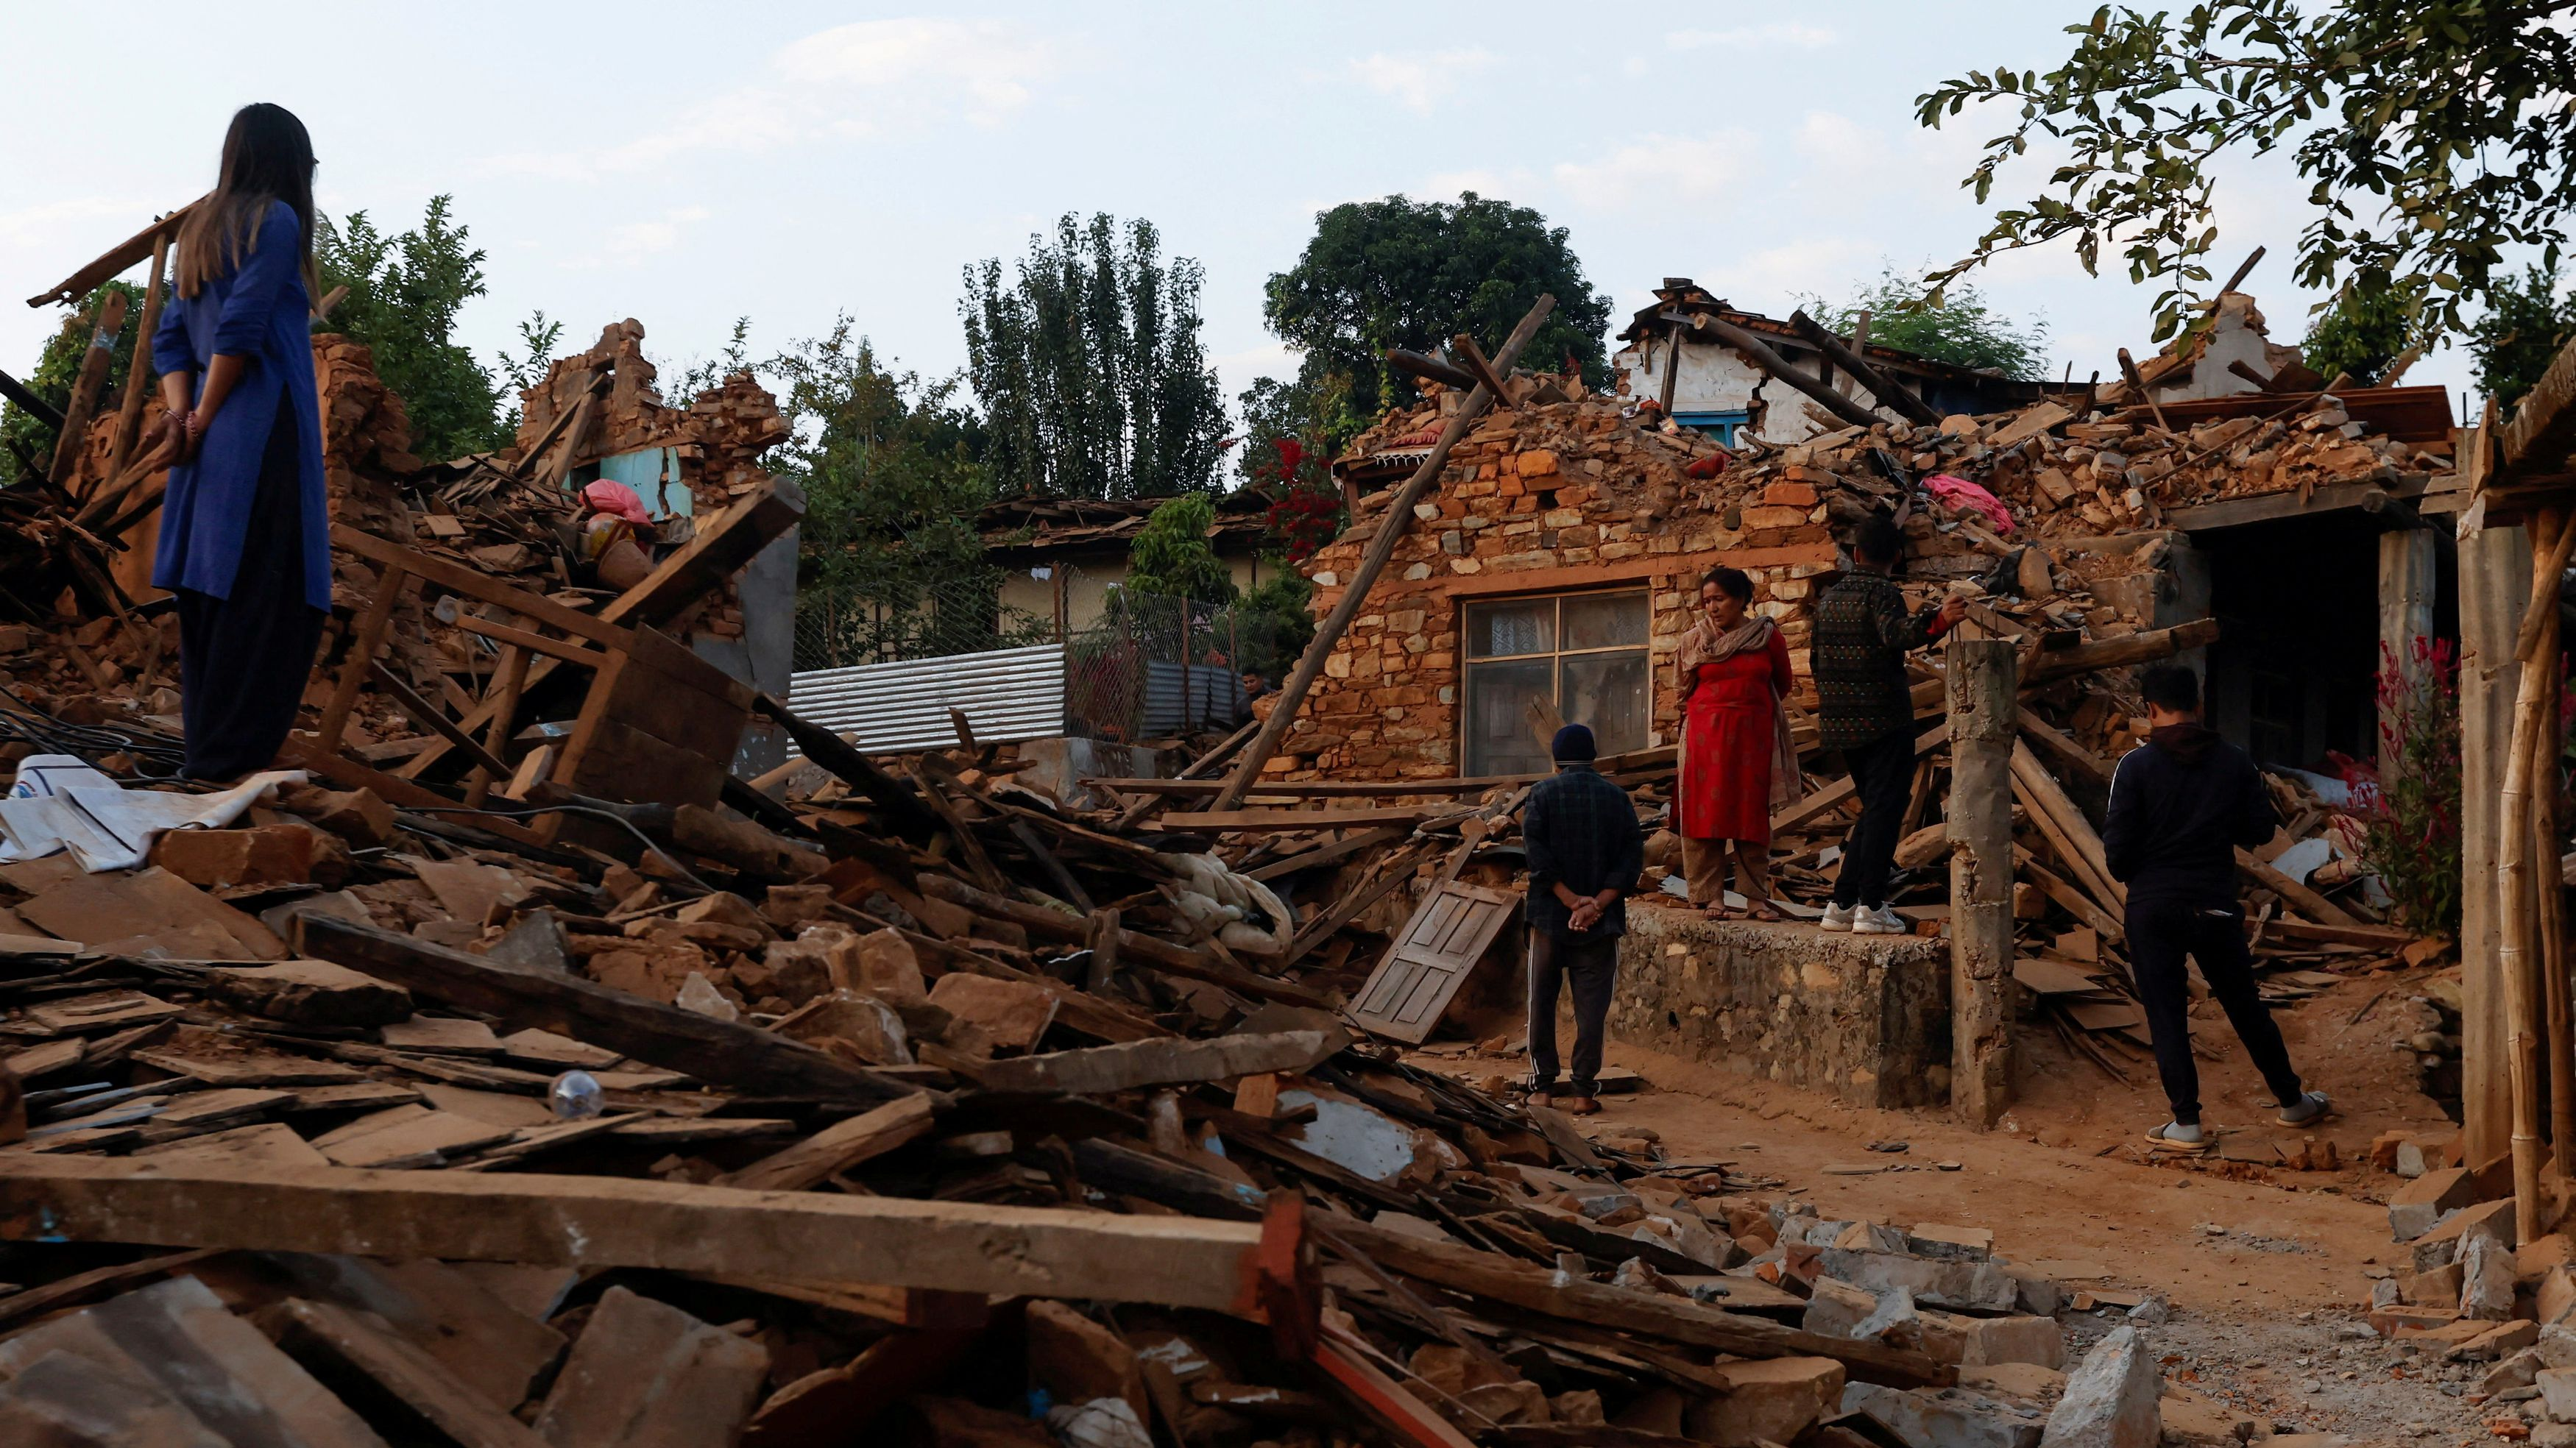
[[1391, 527], [2534, 702], [1672, 371], [138, 373], [2495, 578], [1983, 717], [2406, 586], [1888, 394], [1772, 362], [2550, 894], [109, 321]]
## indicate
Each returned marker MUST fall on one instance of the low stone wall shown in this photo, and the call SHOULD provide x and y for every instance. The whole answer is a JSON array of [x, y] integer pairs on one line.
[[1866, 1017]]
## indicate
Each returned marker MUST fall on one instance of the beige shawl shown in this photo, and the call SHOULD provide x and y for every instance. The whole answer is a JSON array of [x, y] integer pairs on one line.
[[1704, 644]]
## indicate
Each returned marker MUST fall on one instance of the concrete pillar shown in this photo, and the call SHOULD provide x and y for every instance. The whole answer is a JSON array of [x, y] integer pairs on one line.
[[2495, 581], [1983, 717], [2407, 559]]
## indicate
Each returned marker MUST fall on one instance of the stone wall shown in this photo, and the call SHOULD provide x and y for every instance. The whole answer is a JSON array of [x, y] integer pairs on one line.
[[1865, 1017], [1535, 499]]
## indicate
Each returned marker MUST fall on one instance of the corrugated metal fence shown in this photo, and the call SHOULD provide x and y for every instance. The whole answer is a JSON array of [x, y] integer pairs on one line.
[[1006, 694]]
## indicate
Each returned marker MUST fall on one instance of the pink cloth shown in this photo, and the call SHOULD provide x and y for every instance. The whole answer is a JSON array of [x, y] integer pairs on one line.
[[1960, 493], [618, 501]]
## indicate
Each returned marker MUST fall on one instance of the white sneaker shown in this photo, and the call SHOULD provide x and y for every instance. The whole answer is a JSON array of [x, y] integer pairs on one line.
[[1838, 917], [1880, 920]]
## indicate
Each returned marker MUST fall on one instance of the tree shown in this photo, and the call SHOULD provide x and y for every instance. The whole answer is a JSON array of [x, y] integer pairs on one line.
[[1960, 329], [1172, 557], [890, 565], [2526, 324], [1090, 368], [539, 335], [58, 367], [404, 294], [1402, 273], [2362, 332], [2435, 135]]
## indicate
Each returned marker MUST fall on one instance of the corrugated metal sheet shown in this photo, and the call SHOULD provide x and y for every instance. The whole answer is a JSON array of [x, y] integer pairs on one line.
[[1006, 694], [1208, 696]]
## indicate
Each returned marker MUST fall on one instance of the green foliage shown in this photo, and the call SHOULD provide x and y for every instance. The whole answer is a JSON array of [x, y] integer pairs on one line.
[[1308, 412], [2434, 135], [709, 372], [404, 293], [1172, 557], [890, 565], [1401, 273], [58, 367], [1959, 328], [2526, 324], [1090, 369], [538, 338], [1274, 621], [2361, 332]]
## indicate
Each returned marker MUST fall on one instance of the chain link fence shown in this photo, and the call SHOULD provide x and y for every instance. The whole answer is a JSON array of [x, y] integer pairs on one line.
[[837, 626]]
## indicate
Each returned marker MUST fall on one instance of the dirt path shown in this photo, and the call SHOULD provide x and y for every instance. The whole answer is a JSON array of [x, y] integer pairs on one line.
[[2264, 1269]]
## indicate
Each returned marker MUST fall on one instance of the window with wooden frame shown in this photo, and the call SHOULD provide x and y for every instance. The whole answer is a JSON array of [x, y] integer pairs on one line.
[[1582, 655]]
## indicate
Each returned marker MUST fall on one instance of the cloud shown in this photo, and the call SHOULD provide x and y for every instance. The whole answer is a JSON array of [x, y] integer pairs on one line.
[[1788, 33], [629, 243], [1688, 168], [1419, 82], [848, 82]]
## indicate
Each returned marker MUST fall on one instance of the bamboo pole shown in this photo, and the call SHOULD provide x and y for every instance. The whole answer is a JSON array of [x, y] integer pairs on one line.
[[1391, 526], [2533, 699]]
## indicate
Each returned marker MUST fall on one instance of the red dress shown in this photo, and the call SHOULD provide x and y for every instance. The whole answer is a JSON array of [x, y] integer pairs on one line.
[[1727, 737]]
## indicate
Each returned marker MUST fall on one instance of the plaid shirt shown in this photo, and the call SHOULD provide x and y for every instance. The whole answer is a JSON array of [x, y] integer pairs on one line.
[[1858, 658], [1579, 828]]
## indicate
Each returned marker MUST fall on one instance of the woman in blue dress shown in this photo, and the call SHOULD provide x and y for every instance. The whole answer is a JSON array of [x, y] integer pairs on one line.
[[245, 530]]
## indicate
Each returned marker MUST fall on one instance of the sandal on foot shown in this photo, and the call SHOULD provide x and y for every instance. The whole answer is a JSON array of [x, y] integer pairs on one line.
[[2160, 1141], [2319, 1109]]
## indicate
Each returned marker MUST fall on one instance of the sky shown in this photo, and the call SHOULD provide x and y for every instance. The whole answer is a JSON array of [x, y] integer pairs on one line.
[[686, 165]]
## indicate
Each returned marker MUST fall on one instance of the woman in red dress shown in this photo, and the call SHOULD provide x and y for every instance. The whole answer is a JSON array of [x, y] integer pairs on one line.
[[1736, 762]]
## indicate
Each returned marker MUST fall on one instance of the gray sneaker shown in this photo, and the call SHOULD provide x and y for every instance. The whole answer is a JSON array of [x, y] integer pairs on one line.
[[1879, 920], [1838, 917]]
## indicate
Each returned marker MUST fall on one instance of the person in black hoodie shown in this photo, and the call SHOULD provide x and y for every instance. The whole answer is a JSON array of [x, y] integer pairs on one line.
[[2181, 805]]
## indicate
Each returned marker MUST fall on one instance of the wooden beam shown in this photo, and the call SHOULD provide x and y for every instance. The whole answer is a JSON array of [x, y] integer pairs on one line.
[[1792, 816], [1147, 950], [138, 373], [119, 259], [2137, 648], [1391, 526], [1099, 1070], [594, 1222], [1277, 820], [103, 328], [1472, 357], [1321, 789], [1982, 718], [1432, 369], [1778, 366], [1677, 1319], [2540, 439], [2299, 897], [837, 1148], [1850, 360], [2266, 507], [713, 1051]]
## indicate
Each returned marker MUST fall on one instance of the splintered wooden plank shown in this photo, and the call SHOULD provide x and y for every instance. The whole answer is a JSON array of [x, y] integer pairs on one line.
[[717, 1052], [837, 1148], [338, 1341], [221, 1060], [647, 1375], [102, 1013], [620, 1222], [1275, 820], [2054, 977], [494, 1349], [179, 1336], [1430, 959], [270, 1143], [407, 1136]]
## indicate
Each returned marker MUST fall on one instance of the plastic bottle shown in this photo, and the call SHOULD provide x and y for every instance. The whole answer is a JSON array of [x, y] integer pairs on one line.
[[575, 1096]]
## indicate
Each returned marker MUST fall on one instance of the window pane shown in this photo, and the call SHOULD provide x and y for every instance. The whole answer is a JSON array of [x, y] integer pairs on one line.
[[1608, 692], [1605, 620], [1527, 626], [1499, 737]]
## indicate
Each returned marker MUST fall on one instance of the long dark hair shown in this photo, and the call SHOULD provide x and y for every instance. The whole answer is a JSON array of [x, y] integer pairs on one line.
[[268, 156]]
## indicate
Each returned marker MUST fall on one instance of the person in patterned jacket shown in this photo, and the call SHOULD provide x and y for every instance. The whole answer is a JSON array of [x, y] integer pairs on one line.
[[1864, 709]]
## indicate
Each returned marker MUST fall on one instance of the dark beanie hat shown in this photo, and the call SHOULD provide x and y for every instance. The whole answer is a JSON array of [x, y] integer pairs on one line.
[[1574, 741]]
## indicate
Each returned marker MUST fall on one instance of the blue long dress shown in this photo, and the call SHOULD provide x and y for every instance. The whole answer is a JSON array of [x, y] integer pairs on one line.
[[245, 528]]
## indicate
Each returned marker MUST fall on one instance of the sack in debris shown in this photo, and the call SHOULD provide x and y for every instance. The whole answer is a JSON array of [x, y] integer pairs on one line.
[[60, 803]]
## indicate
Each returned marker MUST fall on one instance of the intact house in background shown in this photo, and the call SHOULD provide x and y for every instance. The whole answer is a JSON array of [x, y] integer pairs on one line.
[[1675, 357], [1061, 556]]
